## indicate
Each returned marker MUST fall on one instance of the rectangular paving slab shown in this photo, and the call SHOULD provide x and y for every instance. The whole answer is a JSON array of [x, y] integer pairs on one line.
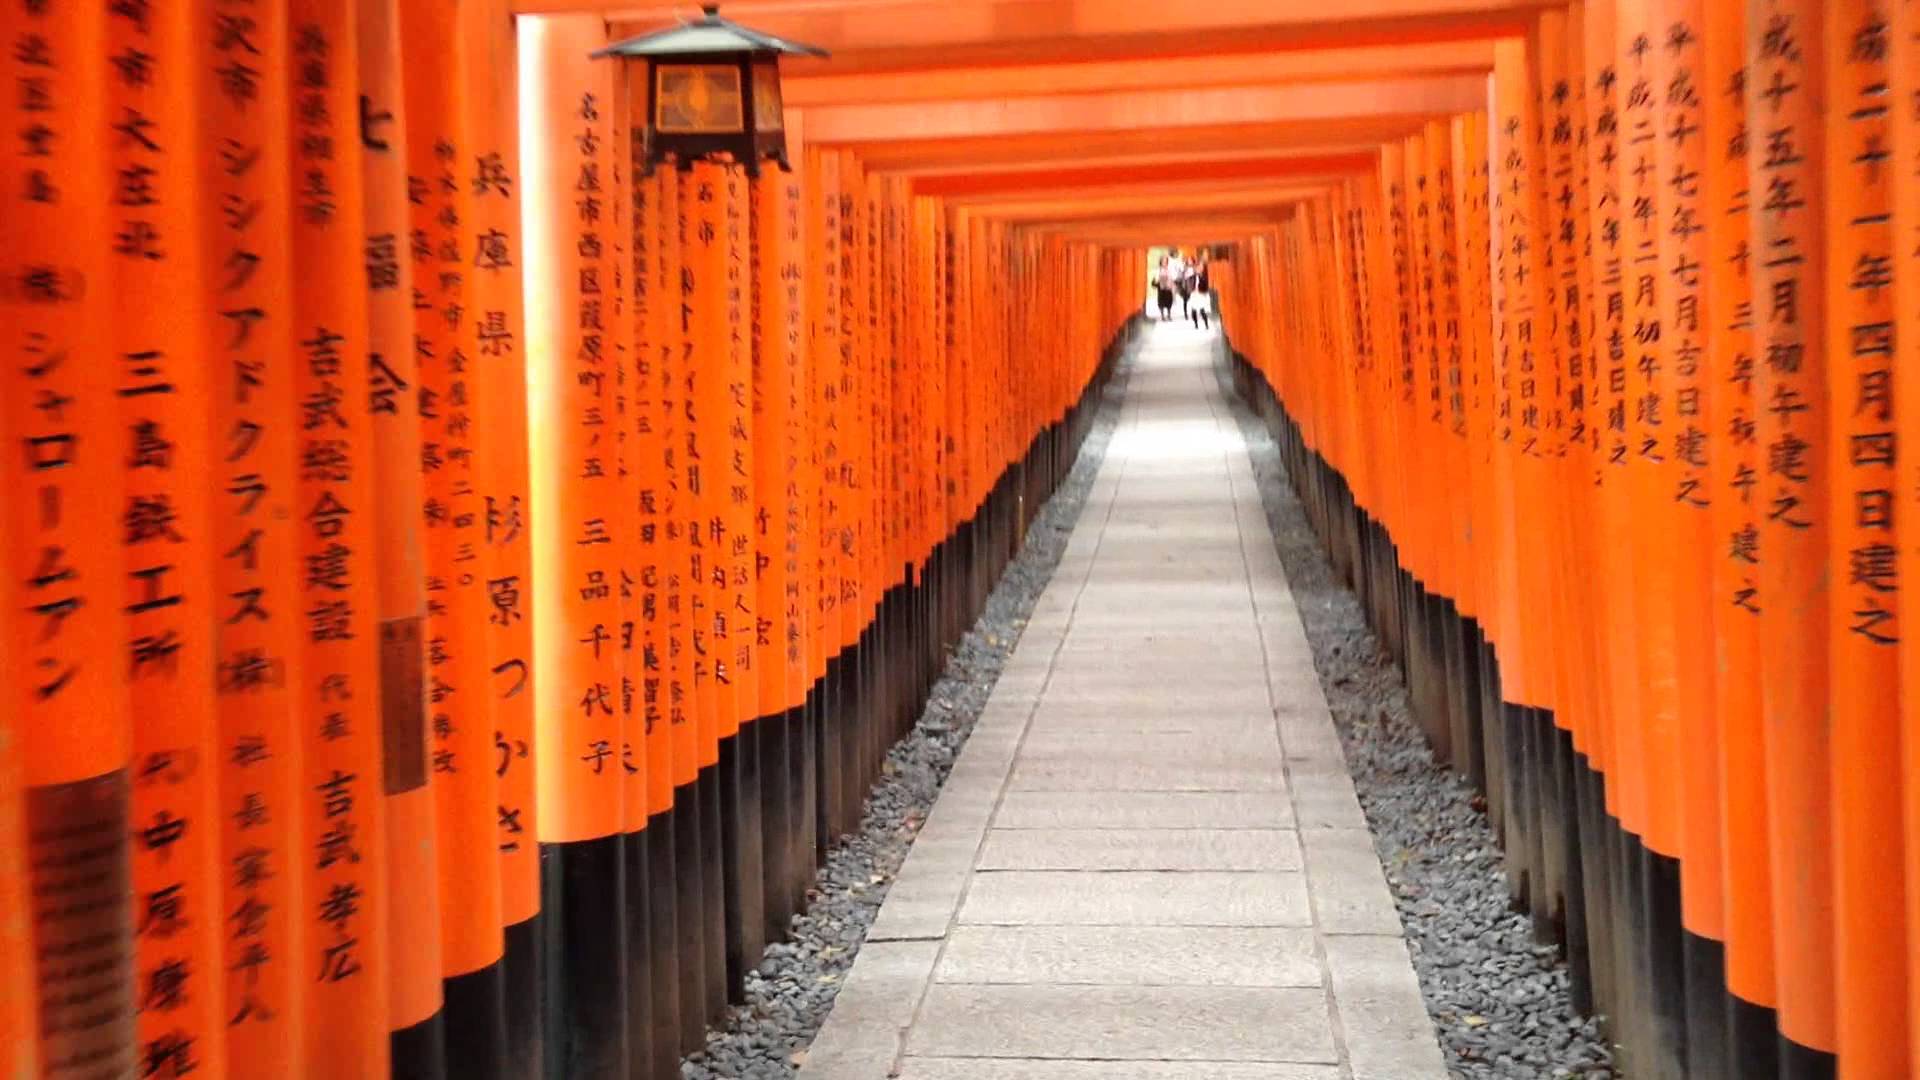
[[930, 1068], [1140, 849], [1137, 898], [1139, 955], [1144, 810], [1203, 1023]]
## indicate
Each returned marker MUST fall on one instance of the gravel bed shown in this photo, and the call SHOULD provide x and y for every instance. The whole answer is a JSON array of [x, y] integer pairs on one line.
[[790, 994], [1499, 1002]]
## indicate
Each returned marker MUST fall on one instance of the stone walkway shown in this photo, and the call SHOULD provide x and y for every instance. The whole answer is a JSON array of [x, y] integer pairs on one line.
[[1148, 863]]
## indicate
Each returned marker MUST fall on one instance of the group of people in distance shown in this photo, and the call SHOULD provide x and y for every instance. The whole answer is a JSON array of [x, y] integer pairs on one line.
[[1187, 277]]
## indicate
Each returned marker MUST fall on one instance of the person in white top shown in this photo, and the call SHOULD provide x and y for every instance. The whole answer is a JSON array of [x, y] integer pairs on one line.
[[1164, 283]]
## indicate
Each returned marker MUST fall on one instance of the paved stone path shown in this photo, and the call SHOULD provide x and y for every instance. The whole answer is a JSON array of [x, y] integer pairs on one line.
[[1148, 863]]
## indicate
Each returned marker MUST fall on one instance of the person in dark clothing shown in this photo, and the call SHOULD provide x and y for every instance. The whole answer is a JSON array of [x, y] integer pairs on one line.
[[1201, 310]]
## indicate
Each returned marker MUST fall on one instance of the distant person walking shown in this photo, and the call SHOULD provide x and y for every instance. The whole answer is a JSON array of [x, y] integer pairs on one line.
[[1187, 278], [1164, 286], [1201, 311]]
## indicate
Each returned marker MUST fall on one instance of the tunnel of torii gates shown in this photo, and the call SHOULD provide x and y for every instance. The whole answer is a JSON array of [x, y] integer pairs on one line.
[[460, 580]]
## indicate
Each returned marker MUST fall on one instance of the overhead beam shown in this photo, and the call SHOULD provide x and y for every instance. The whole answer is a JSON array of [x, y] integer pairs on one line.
[[1211, 219], [932, 157], [1070, 75], [1217, 170], [1138, 109], [898, 34], [1166, 191], [1147, 204], [1178, 229]]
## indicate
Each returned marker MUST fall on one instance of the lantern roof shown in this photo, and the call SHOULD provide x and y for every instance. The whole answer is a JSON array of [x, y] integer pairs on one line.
[[710, 35]]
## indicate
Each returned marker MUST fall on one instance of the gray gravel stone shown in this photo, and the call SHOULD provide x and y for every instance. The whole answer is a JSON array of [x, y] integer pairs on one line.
[[1499, 1002], [789, 995]]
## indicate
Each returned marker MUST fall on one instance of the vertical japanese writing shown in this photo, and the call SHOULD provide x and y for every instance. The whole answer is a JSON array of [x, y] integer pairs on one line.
[[1785, 157], [1860, 235], [671, 353], [702, 372], [1858, 290], [623, 347], [494, 337], [651, 672], [1644, 370], [1610, 329], [736, 623], [824, 354], [1734, 501], [244, 109], [1682, 495], [1452, 383], [151, 137], [570, 329], [461, 745], [793, 459], [1682, 158], [1476, 196], [342, 760], [1519, 424], [67, 637]]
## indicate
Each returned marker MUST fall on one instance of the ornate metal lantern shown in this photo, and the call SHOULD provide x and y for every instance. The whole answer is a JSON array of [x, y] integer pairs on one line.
[[713, 87]]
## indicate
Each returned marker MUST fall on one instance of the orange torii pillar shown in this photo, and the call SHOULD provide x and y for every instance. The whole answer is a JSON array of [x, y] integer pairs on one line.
[[1552, 338], [1606, 505], [566, 107], [1682, 485], [1732, 406], [616, 254], [679, 701], [653, 311], [781, 481], [705, 446], [494, 263], [257, 671], [1871, 977], [1904, 66], [163, 393], [393, 370], [730, 471], [346, 962], [449, 402], [67, 631], [826, 345], [1786, 46], [1581, 761]]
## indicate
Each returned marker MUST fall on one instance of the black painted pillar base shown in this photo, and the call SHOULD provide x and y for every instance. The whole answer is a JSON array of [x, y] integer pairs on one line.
[[420, 1052], [743, 883], [664, 943], [1798, 1062], [520, 965], [1753, 1042], [639, 957], [689, 898], [475, 1029], [713, 905], [584, 988]]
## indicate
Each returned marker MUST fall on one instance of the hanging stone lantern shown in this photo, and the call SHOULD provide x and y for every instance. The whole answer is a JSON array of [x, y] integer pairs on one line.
[[713, 88]]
